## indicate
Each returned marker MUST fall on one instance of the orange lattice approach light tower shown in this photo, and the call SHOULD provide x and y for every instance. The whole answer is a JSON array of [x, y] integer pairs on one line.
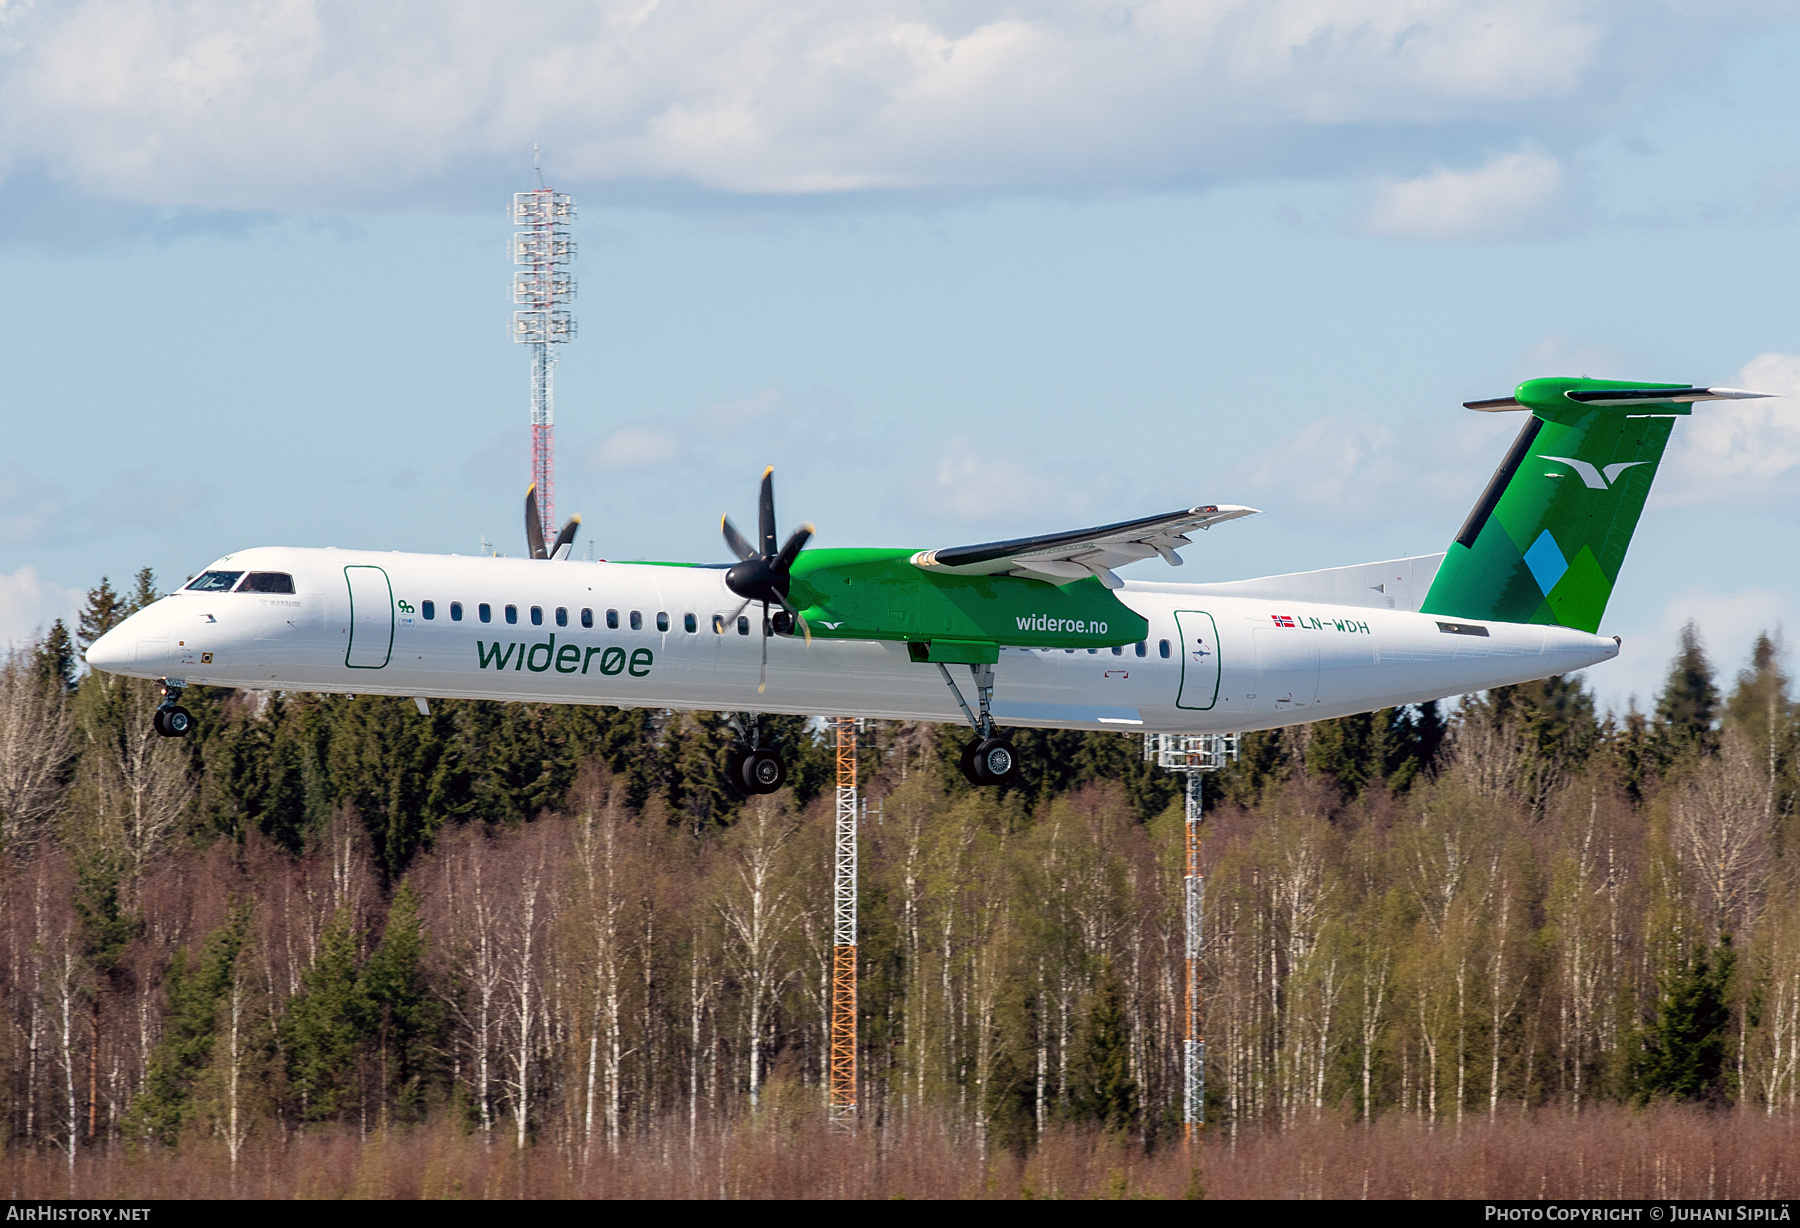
[[843, 950], [542, 287], [1192, 756]]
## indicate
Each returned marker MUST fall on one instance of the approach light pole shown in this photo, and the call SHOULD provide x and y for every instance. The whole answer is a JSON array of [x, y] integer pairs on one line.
[[1192, 755]]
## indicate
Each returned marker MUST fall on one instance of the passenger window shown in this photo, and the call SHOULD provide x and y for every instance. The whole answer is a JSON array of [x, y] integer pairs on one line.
[[612, 620], [718, 624], [1093, 652], [456, 611], [428, 609], [662, 621], [267, 582], [1118, 650], [562, 616], [587, 618], [637, 621], [214, 582], [691, 623], [1141, 646], [743, 624], [1162, 649], [512, 613], [485, 612], [537, 615]]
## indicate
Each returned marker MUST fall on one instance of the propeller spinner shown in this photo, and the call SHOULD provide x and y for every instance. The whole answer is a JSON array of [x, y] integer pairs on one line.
[[763, 575]]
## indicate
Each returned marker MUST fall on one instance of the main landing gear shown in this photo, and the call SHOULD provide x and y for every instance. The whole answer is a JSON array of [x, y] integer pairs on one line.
[[990, 759], [753, 768], [172, 720]]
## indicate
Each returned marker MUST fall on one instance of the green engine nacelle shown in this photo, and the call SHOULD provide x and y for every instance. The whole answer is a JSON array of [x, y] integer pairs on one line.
[[880, 595]]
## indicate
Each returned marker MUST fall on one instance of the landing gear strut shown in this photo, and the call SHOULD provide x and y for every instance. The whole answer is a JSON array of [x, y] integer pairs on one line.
[[753, 768], [172, 720], [990, 759]]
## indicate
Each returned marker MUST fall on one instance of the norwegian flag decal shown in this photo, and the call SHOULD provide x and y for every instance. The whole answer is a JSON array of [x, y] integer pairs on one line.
[[1283, 620]]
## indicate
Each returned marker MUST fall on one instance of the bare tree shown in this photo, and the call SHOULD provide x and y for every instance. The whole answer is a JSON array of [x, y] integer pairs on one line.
[[1721, 834], [37, 741], [758, 908]]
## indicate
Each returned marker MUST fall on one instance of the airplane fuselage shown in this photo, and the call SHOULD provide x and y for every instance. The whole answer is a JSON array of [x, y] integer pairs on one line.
[[658, 635]]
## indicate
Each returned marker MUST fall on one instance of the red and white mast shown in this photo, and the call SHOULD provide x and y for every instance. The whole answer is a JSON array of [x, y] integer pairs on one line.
[[542, 287]]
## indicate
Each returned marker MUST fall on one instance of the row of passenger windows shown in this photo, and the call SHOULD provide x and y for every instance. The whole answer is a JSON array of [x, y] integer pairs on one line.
[[485, 613], [689, 623]]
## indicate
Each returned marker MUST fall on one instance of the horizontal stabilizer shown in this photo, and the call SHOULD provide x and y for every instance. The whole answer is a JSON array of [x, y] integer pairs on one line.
[[1396, 584], [1625, 397]]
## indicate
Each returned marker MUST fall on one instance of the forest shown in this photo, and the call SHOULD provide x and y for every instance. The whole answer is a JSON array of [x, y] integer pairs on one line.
[[327, 944]]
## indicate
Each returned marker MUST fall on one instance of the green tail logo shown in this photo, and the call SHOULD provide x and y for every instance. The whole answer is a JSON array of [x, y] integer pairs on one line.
[[1545, 541]]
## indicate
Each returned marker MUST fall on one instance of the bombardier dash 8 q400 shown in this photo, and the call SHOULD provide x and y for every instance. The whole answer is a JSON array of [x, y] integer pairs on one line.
[[1036, 632]]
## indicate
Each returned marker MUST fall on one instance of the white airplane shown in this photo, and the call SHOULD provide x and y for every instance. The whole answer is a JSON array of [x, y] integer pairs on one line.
[[1048, 636]]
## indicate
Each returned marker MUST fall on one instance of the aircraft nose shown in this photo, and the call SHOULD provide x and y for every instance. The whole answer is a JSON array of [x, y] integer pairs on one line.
[[113, 651]]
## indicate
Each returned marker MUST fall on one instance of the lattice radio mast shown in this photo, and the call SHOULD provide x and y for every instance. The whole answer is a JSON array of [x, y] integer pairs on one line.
[[1192, 756], [542, 246], [843, 951]]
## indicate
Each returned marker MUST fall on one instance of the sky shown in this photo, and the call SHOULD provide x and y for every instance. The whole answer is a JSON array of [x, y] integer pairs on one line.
[[958, 271]]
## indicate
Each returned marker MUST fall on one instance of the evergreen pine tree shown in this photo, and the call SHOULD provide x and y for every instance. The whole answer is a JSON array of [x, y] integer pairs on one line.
[[1683, 1054], [167, 1102], [56, 656], [325, 1024], [1101, 1089], [402, 1011], [1690, 701], [104, 611], [143, 592]]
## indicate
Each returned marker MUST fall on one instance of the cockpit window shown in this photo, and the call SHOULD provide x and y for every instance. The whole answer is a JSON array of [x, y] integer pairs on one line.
[[214, 581], [267, 582]]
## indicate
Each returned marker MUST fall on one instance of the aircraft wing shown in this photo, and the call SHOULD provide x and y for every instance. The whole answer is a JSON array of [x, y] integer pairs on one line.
[[1062, 558]]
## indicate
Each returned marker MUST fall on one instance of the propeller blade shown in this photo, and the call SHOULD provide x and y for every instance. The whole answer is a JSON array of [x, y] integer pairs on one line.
[[735, 540], [534, 524], [795, 544], [565, 540], [765, 513], [762, 680], [739, 612]]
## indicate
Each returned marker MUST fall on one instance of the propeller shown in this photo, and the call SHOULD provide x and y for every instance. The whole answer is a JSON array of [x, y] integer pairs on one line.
[[534, 529], [762, 575]]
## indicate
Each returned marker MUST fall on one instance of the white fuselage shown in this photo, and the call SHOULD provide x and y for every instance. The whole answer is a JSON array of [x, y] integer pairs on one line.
[[1231, 663]]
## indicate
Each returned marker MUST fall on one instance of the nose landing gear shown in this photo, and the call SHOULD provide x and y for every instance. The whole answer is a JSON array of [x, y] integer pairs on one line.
[[172, 720], [990, 759]]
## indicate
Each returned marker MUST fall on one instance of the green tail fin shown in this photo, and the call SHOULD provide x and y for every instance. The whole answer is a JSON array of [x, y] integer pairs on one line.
[[1545, 542]]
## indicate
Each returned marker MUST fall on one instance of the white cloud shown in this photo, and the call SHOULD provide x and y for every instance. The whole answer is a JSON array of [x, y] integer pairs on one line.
[[281, 104], [1353, 470], [29, 604], [1508, 195], [1728, 623], [1731, 450]]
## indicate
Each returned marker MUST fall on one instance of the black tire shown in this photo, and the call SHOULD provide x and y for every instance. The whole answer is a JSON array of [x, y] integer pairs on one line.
[[173, 722], [763, 772], [995, 761], [734, 767], [967, 763], [156, 722]]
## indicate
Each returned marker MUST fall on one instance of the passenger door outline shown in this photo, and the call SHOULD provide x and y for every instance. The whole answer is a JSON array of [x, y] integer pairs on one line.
[[1199, 637], [376, 640]]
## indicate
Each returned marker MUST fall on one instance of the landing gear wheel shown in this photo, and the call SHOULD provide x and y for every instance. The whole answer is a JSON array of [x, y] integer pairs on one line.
[[967, 763], [172, 722], [995, 762], [734, 767], [763, 772]]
